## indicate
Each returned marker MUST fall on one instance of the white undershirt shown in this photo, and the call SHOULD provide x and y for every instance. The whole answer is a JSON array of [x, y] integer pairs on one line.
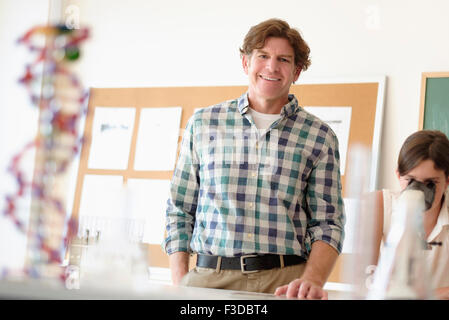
[[263, 120]]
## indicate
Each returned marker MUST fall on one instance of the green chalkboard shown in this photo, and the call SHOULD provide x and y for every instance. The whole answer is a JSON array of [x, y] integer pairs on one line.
[[436, 104]]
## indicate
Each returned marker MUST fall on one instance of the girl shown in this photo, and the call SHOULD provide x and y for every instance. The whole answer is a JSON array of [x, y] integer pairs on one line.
[[424, 157]]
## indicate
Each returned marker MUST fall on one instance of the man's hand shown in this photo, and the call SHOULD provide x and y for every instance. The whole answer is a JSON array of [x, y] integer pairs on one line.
[[302, 289], [318, 267], [442, 293], [179, 266]]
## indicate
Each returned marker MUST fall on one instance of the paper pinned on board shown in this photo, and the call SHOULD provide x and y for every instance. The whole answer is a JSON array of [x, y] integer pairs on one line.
[[139, 206], [339, 119], [111, 138], [148, 202], [101, 196], [157, 139]]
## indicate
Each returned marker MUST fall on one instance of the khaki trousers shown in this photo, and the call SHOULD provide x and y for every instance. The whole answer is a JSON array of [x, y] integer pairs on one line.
[[265, 281]]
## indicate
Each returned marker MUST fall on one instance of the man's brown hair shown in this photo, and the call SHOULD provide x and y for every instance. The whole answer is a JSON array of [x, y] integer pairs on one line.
[[424, 145], [256, 36]]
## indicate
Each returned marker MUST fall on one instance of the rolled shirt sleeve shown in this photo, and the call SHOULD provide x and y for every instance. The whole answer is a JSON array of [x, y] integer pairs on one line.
[[325, 205], [182, 202]]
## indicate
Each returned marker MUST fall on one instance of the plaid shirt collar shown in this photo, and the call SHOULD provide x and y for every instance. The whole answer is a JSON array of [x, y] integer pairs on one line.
[[289, 109]]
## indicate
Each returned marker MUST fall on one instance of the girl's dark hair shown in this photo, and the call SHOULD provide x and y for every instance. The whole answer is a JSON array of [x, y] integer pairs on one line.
[[424, 145]]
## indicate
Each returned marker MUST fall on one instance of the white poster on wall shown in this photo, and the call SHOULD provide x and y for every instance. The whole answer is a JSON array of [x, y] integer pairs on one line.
[[102, 203], [111, 138], [157, 139], [147, 203]]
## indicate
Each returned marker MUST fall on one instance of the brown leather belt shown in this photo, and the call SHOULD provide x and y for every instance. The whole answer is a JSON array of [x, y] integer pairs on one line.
[[248, 263]]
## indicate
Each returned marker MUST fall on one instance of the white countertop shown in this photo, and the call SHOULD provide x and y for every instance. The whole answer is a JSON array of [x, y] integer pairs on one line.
[[38, 289]]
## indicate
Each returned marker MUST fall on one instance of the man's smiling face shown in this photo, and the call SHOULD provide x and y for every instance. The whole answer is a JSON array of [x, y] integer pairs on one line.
[[271, 70]]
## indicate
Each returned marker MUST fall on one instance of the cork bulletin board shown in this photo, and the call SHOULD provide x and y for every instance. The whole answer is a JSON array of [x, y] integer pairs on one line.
[[363, 96]]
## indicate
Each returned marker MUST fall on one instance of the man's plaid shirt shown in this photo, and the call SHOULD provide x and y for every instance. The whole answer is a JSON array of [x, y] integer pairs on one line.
[[236, 190]]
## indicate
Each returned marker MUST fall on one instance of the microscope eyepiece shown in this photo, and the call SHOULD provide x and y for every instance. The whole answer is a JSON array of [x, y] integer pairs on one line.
[[427, 188]]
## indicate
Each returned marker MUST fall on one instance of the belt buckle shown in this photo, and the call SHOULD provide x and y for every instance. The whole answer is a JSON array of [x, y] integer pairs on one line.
[[243, 264]]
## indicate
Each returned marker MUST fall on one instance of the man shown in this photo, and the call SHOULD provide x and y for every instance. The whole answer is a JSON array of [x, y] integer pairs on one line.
[[256, 192]]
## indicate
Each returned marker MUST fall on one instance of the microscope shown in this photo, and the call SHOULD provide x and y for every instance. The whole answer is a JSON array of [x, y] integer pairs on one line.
[[402, 270]]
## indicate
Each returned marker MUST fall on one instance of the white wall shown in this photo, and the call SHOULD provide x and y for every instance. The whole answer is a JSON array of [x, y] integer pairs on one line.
[[188, 43]]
